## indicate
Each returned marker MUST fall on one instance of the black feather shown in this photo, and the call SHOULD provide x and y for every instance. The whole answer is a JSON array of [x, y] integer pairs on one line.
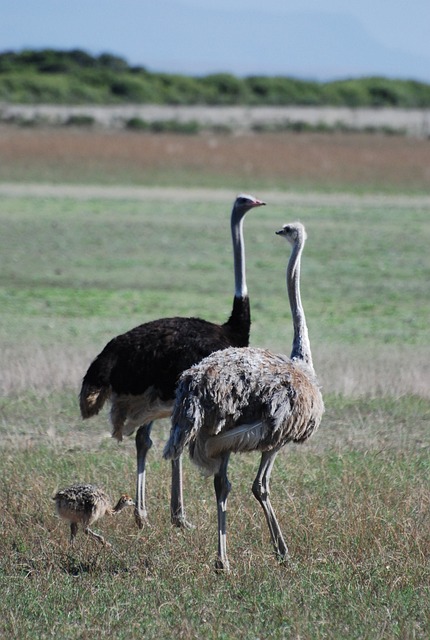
[[155, 353]]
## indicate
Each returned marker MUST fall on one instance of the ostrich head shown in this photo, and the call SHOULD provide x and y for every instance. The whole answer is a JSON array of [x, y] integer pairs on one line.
[[244, 202], [123, 502], [293, 232]]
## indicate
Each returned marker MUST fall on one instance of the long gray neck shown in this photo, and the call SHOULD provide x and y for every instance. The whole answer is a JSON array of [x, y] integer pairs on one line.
[[301, 349], [240, 288]]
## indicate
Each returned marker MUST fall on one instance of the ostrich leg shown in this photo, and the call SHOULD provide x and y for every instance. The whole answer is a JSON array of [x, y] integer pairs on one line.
[[261, 491], [143, 445], [177, 511], [222, 489]]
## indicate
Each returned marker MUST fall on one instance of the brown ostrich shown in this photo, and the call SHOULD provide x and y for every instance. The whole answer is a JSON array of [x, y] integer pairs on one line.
[[246, 399]]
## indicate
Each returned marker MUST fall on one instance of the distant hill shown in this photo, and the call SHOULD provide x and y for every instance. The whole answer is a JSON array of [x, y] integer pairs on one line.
[[51, 76]]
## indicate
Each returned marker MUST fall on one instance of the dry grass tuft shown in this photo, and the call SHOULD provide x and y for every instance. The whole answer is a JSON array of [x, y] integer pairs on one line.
[[357, 527], [327, 161], [343, 370], [379, 372], [41, 369]]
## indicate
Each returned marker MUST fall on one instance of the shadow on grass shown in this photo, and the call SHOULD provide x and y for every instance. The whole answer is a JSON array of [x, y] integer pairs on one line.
[[100, 564]]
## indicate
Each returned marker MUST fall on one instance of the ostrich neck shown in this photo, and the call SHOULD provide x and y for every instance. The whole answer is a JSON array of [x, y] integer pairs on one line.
[[301, 349], [116, 509], [238, 326], [240, 288]]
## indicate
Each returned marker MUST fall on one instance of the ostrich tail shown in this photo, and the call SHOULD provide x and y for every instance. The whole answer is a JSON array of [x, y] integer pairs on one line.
[[179, 439], [175, 444], [92, 399], [95, 386], [186, 423]]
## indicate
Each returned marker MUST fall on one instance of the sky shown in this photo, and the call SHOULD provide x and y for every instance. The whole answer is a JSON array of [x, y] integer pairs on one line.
[[307, 39]]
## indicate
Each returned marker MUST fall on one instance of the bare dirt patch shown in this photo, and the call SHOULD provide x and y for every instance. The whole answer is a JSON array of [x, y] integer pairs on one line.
[[287, 160]]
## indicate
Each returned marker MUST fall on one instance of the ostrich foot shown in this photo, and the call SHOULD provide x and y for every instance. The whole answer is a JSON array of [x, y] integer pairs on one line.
[[222, 566], [140, 519], [181, 522]]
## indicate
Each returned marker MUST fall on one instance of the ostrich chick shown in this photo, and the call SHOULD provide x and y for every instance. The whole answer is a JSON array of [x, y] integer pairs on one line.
[[84, 504]]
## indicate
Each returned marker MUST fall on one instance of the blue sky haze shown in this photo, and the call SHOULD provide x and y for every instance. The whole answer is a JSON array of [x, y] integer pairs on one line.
[[311, 39]]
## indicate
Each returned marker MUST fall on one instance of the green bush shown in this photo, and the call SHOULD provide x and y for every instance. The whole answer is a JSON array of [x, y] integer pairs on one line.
[[129, 89], [136, 124], [225, 89], [177, 89], [174, 126], [28, 88], [76, 77], [347, 93], [162, 126], [282, 91], [80, 120]]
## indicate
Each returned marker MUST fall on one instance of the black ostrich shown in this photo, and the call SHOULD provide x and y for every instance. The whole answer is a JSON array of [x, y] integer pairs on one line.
[[138, 370]]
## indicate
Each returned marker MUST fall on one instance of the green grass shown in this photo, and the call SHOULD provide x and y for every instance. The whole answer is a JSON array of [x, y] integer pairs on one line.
[[355, 516], [365, 270], [353, 502], [356, 524], [73, 274]]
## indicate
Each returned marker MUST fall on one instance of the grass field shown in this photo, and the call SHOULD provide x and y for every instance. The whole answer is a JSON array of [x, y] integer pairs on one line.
[[354, 502]]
